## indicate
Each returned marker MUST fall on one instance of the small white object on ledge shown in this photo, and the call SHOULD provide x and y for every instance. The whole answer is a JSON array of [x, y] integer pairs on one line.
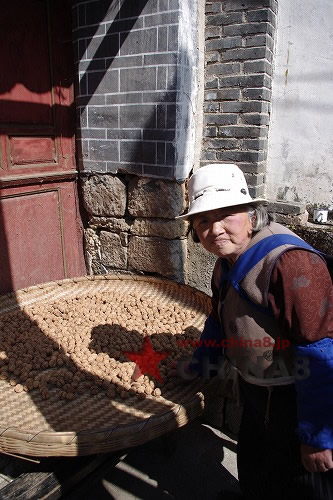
[[320, 215]]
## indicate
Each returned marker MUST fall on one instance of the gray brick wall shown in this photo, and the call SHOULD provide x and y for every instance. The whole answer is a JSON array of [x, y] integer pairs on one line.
[[239, 41], [128, 63]]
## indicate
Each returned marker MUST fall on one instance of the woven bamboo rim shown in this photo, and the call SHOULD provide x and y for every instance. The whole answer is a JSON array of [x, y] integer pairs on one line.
[[96, 424]]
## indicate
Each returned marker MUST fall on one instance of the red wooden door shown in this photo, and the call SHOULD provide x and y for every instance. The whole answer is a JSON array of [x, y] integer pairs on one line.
[[40, 230]]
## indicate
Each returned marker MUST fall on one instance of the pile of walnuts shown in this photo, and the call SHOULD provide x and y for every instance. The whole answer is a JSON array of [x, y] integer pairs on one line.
[[76, 345]]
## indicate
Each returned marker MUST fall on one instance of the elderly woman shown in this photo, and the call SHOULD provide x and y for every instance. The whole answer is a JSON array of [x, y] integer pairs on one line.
[[272, 319]]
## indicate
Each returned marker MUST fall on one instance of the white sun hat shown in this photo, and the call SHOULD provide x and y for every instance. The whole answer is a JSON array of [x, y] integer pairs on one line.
[[217, 185]]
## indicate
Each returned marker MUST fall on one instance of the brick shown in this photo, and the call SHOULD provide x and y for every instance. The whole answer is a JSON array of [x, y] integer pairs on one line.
[[211, 132], [221, 143], [162, 39], [212, 57], [211, 84], [137, 116], [238, 131], [173, 38], [161, 82], [163, 5], [138, 152], [254, 179], [121, 26], [104, 195], [138, 42], [103, 46], [213, 8], [248, 29], [257, 191], [161, 114], [232, 5], [92, 65], [223, 69], [223, 95], [98, 11], [136, 9], [171, 116], [124, 62], [255, 168], [259, 40], [135, 134], [113, 252], [255, 119], [100, 150], [172, 77], [262, 66], [125, 98], [101, 82], [208, 155], [89, 32], [212, 31], [244, 54], [211, 107], [258, 94], [159, 96], [103, 116], [160, 153], [160, 19], [99, 167], [221, 119], [92, 133], [135, 79], [243, 106], [240, 156], [159, 59], [174, 4], [83, 85], [170, 154], [224, 19], [163, 172], [261, 15], [224, 43], [83, 117], [93, 100], [254, 143], [210, 96], [228, 94], [158, 135], [258, 80]]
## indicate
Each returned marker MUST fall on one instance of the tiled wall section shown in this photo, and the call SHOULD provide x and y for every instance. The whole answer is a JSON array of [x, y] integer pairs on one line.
[[126, 55]]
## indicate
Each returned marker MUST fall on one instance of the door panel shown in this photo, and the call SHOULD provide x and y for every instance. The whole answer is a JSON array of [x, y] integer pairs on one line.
[[40, 228]]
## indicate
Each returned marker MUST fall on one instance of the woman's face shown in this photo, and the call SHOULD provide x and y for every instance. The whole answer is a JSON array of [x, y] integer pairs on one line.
[[224, 232]]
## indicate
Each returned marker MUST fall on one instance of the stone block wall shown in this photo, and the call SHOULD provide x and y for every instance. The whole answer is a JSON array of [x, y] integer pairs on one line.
[[131, 226], [239, 53]]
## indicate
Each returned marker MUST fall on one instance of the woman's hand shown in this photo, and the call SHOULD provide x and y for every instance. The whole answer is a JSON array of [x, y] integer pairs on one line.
[[315, 459]]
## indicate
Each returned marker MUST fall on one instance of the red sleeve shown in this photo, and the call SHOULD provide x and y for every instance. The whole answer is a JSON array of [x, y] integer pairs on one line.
[[301, 296]]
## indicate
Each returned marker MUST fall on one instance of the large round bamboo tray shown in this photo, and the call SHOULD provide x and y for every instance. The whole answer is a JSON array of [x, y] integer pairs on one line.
[[93, 424]]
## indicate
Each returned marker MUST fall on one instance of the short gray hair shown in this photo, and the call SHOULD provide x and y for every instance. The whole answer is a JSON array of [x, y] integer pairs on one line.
[[259, 217]]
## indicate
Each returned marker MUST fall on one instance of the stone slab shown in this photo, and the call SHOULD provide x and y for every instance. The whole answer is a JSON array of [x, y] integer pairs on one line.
[[113, 253], [163, 228], [155, 198], [157, 255], [104, 195]]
